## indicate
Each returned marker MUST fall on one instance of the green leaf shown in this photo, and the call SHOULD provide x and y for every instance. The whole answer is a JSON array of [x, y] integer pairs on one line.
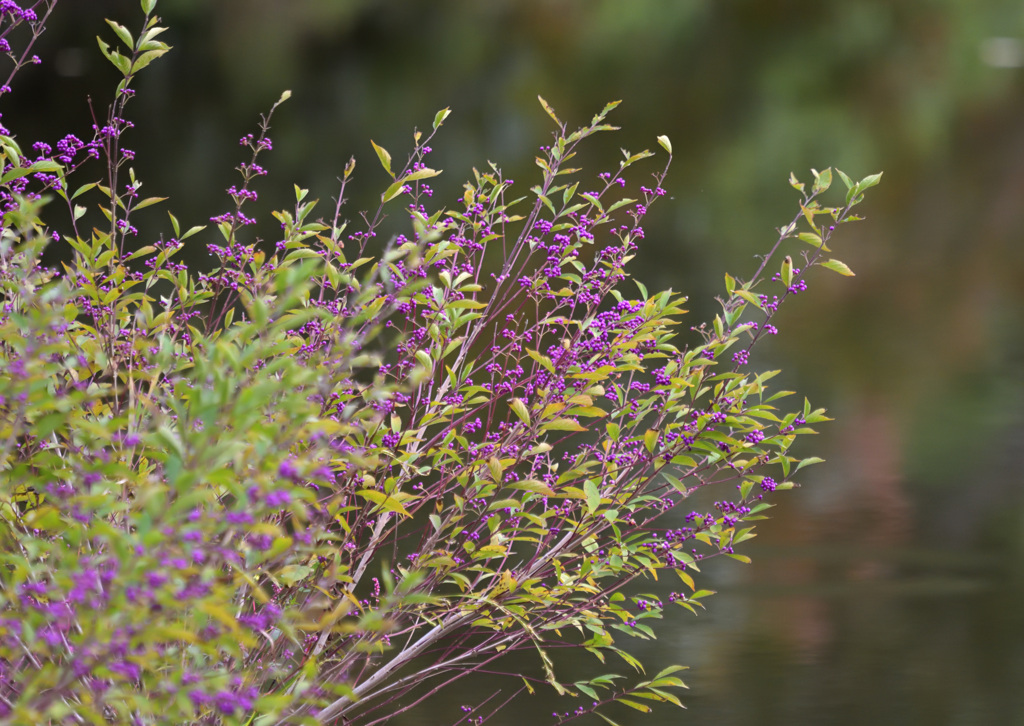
[[50, 423], [520, 410], [809, 461], [533, 485], [643, 707], [191, 231], [44, 517], [392, 191], [666, 696], [423, 173], [608, 108], [47, 165], [383, 501], [84, 188], [676, 483], [503, 503], [423, 358], [568, 194], [385, 158], [122, 63], [149, 202], [787, 271], [687, 578], [146, 58], [292, 574], [147, 42], [544, 200], [869, 181], [562, 424], [550, 111], [15, 173], [822, 181], [749, 297], [837, 266], [440, 116], [142, 251], [669, 671], [541, 358], [122, 33], [593, 496], [812, 239]]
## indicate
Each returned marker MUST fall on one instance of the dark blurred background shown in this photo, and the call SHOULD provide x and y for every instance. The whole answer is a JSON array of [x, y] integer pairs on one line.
[[887, 589]]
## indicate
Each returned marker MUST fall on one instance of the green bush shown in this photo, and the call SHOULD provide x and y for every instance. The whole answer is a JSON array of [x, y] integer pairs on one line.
[[328, 478]]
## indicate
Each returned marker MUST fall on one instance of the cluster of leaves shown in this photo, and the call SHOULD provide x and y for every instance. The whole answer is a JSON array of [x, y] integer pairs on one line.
[[319, 483]]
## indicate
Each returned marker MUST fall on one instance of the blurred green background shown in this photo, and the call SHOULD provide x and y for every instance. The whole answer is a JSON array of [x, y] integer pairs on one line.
[[887, 590]]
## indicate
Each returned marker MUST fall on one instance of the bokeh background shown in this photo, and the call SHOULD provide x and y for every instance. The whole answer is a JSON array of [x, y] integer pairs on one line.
[[888, 589]]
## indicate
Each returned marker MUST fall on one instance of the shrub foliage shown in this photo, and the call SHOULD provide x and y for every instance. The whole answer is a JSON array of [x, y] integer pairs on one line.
[[328, 478]]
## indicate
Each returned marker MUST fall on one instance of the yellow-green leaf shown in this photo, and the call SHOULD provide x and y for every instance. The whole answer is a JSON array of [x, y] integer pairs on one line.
[[837, 266], [533, 485], [520, 410], [383, 501], [822, 181], [385, 158], [812, 239], [562, 424], [633, 704]]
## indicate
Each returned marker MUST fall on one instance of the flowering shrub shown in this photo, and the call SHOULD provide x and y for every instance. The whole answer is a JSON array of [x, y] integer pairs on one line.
[[327, 479]]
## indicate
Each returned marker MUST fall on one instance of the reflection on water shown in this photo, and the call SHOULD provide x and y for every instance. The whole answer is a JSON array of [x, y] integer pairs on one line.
[[824, 644], [852, 613]]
